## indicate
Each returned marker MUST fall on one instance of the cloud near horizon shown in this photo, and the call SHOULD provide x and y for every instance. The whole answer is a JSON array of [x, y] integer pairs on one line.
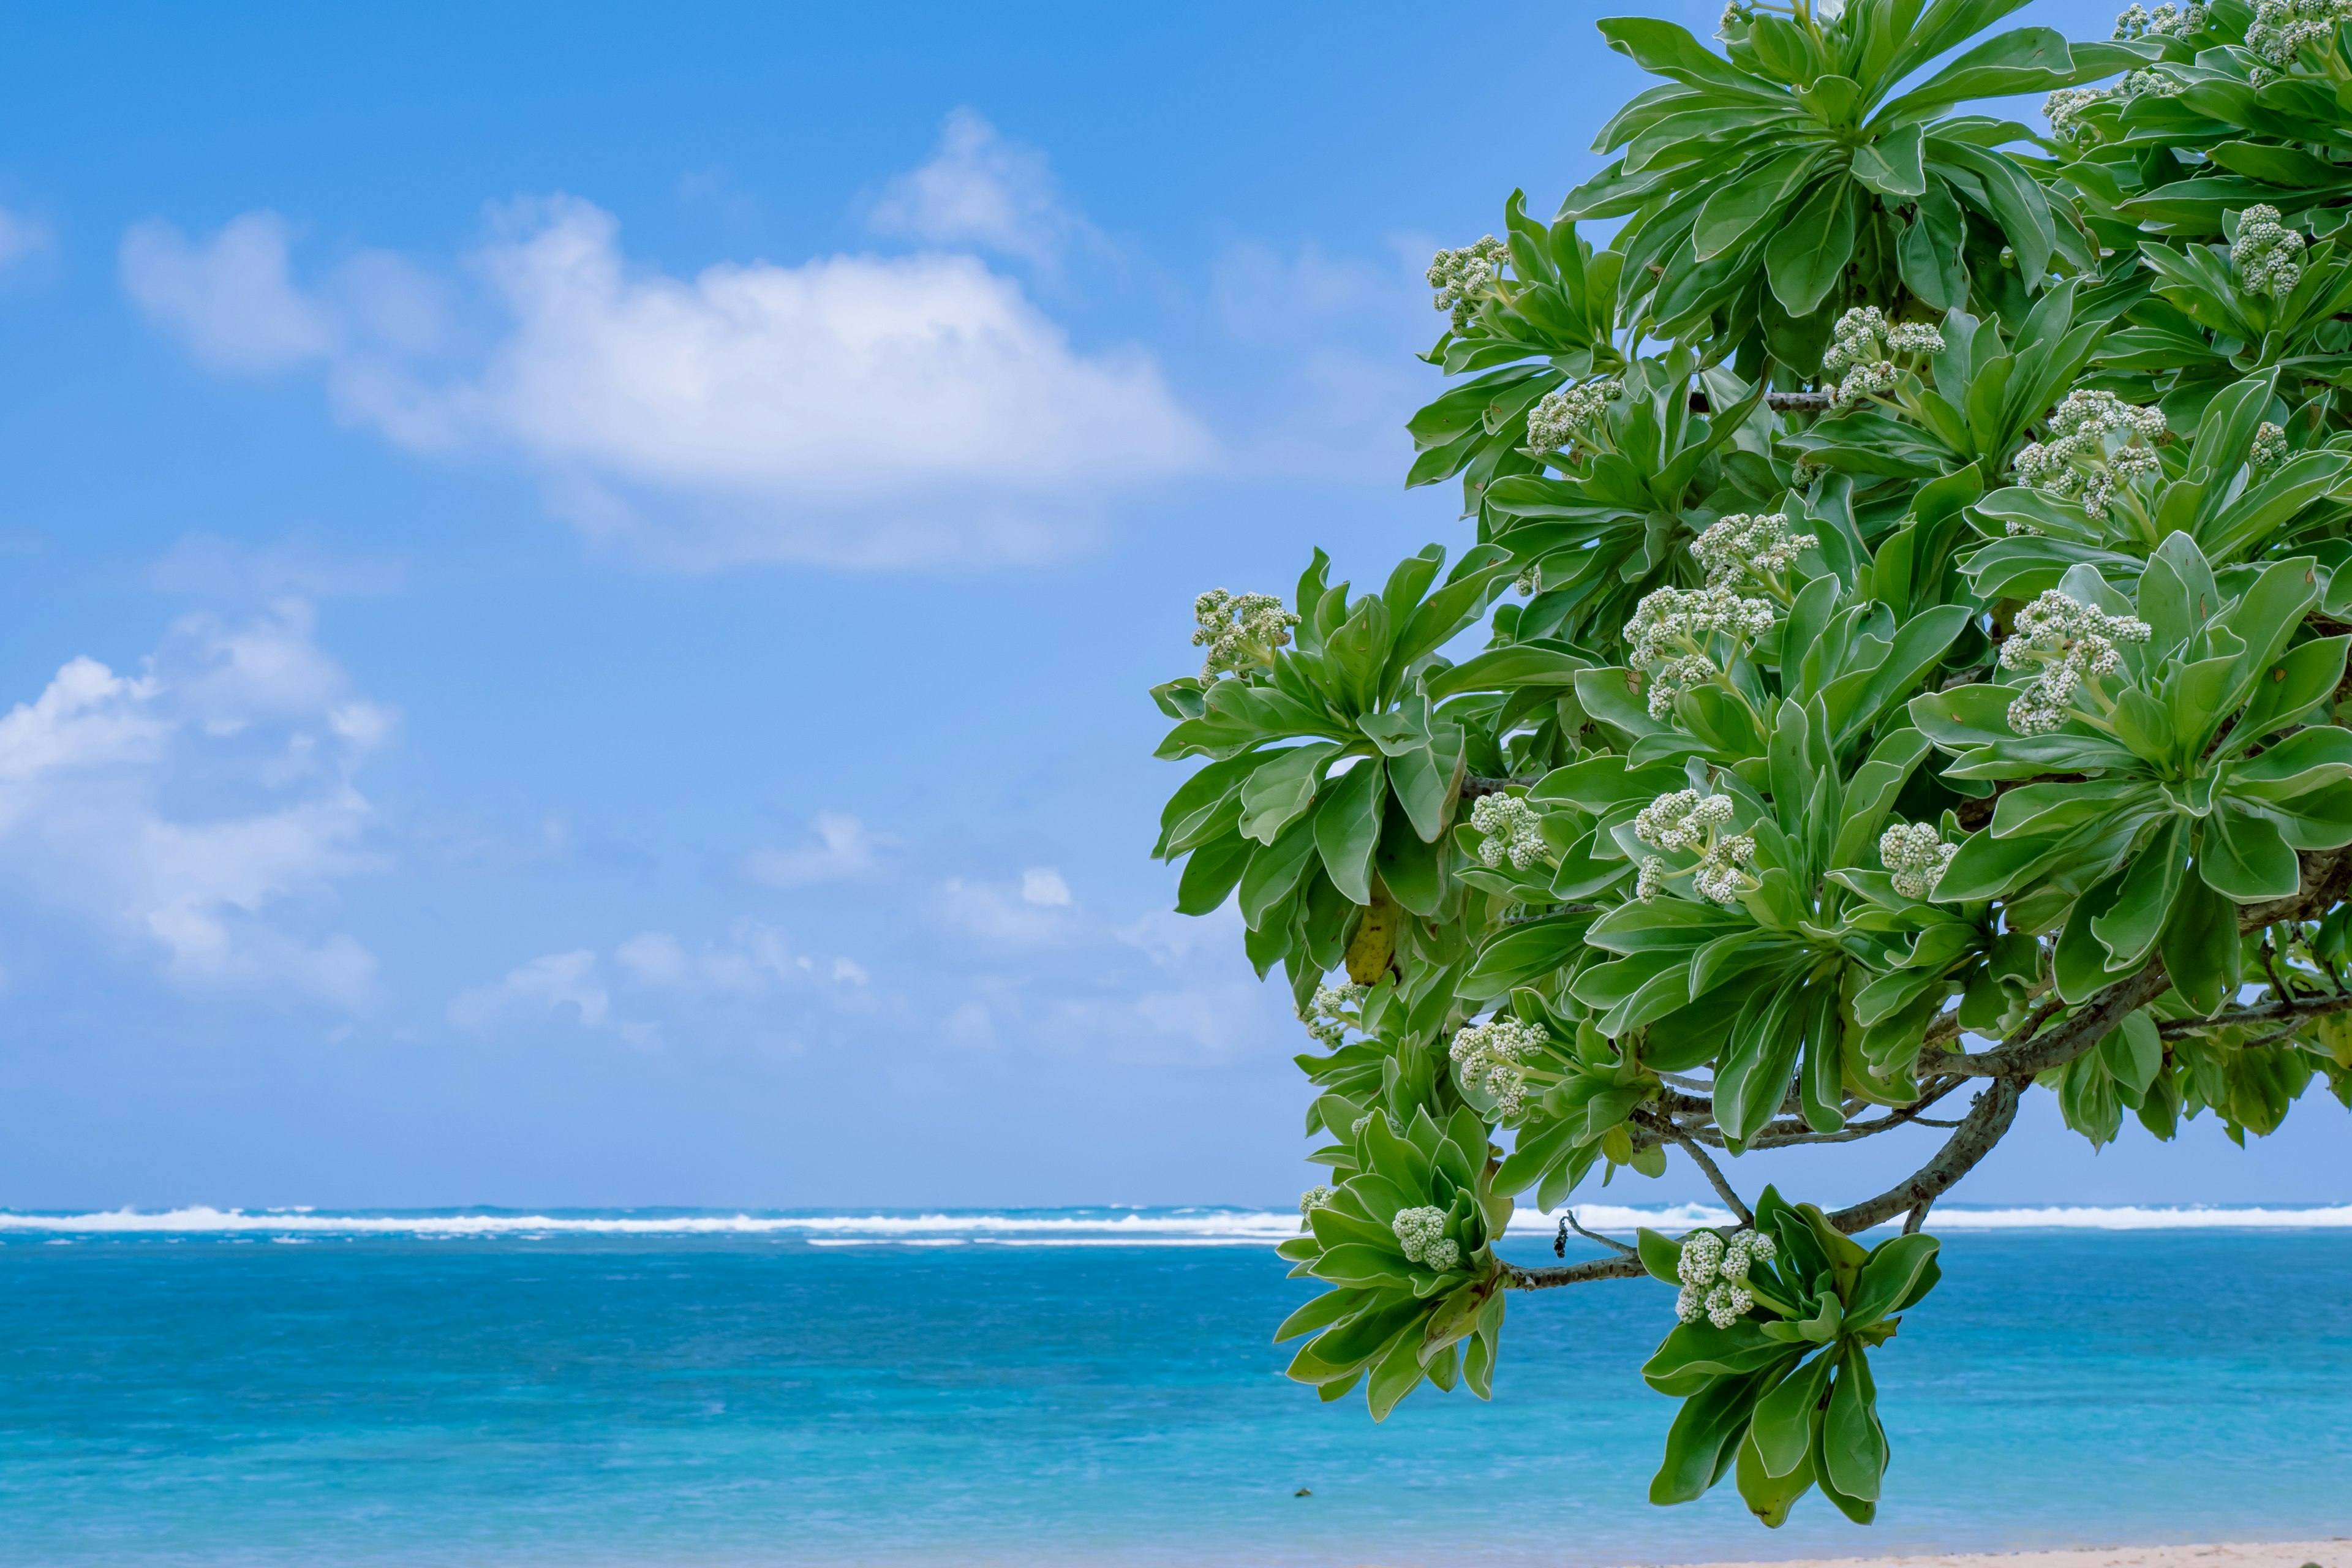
[[853, 410]]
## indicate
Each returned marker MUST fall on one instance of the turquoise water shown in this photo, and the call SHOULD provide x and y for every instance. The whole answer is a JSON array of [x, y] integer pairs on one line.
[[279, 1392]]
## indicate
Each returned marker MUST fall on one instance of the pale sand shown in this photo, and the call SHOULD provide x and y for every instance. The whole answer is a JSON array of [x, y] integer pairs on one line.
[[2335, 1553]]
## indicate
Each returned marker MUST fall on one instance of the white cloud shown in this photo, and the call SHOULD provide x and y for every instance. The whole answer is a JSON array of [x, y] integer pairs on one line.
[[651, 983], [22, 238], [860, 410], [1000, 916], [843, 850], [205, 807], [558, 986], [981, 190], [1043, 886], [231, 300]]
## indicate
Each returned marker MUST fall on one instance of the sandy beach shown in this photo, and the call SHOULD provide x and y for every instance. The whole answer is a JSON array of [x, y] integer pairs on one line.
[[2331, 1553]]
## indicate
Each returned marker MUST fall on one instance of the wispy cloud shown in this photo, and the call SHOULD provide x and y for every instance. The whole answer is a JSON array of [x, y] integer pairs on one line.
[[839, 848], [854, 409], [750, 982], [982, 191], [204, 808]]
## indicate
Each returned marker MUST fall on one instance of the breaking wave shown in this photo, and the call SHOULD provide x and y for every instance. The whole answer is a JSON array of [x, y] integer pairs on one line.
[[1036, 1228]]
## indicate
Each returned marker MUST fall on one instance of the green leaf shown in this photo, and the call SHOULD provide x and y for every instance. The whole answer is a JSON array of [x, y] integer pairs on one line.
[[1742, 205], [1807, 253], [1281, 789], [1348, 827], [1853, 1444], [2245, 857], [1891, 164], [2201, 946], [1896, 1266], [1701, 1443]]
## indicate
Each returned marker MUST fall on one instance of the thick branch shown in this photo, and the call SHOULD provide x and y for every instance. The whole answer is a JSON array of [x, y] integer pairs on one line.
[[2267, 1012], [1622, 1266], [2325, 877], [1982, 1128], [1475, 785], [1779, 402], [1995, 1110]]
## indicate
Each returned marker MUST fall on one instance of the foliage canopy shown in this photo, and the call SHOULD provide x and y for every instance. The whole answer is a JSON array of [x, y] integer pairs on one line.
[[1929, 537]]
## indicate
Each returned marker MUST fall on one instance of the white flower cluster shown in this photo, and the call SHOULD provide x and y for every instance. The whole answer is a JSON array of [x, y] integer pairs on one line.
[[1861, 347], [1689, 820], [2064, 109], [1421, 1233], [2165, 22], [1528, 582], [1714, 1277], [2095, 440], [2267, 254], [1313, 1198], [1493, 1056], [1915, 852], [1240, 631], [2269, 450], [1324, 1015], [1670, 630], [2282, 27], [1741, 546], [2065, 643], [1512, 829], [1558, 416], [1461, 276]]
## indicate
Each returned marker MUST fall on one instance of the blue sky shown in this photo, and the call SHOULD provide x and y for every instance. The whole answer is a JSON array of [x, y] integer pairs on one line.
[[576, 583]]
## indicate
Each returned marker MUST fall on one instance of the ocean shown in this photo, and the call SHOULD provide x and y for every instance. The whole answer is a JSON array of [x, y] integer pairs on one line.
[[1079, 1386]]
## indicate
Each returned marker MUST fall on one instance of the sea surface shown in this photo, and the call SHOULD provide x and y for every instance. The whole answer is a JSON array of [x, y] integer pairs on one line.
[[1079, 1386]]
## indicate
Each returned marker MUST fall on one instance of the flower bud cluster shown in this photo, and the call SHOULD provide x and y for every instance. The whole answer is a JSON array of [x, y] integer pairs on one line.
[[2282, 27], [2165, 21], [1687, 820], [2266, 252], [2269, 450], [1327, 1017], [1917, 856], [2064, 109], [1462, 276], [1861, 347], [1714, 1277], [1240, 631], [1558, 416], [1313, 1198], [1493, 1056], [1421, 1233], [2066, 644], [1739, 546], [2096, 439], [1512, 829], [1670, 632]]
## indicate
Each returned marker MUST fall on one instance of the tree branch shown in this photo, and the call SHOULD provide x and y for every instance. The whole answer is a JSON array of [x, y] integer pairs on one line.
[[1569, 1219], [2268, 1012], [2326, 874], [1475, 785], [1665, 1128], [1987, 1120], [2034, 1047]]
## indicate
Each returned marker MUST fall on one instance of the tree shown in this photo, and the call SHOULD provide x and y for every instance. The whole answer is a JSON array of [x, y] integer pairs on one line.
[[1920, 688]]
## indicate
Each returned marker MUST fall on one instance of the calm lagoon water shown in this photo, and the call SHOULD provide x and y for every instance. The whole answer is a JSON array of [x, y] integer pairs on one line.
[[279, 1392]]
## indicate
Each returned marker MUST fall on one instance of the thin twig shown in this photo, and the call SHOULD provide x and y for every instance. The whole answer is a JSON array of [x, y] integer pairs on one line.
[[1715, 1176], [1567, 1217]]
